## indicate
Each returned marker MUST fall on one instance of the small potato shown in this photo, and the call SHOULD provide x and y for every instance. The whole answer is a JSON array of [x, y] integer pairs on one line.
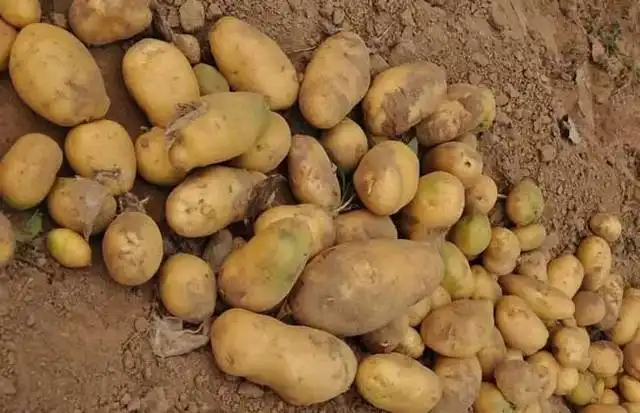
[[68, 248], [492, 354], [531, 236], [437, 206], [20, 13], [386, 178], [187, 287], [519, 382], [7, 241], [568, 378], [132, 248], [456, 158], [302, 365], [585, 392], [388, 337], [477, 100], [500, 257], [628, 321], [103, 150], [209, 79], [604, 408], [491, 400], [612, 292], [525, 203], [546, 301], [362, 225], [514, 317], [610, 397], [513, 354], [439, 298], [595, 255], [251, 61], [419, 311], [610, 382], [481, 196], [447, 122], [7, 37], [590, 308], [606, 359], [566, 274], [28, 170], [533, 264], [468, 139], [629, 388], [548, 368], [402, 96], [472, 234], [458, 280], [411, 344], [571, 347], [152, 155], [311, 173], [461, 379], [486, 285], [345, 143], [397, 383], [606, 226]]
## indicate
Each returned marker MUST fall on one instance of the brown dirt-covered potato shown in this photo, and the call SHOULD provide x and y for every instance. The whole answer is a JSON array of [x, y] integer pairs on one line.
[[590, 308], [251, 61], [533, 264], [397, 383], [361, 225], [525, 203], [209, 79], [606, 226], [100, 22], [491, 400], [68, 248], [628, 320], [571, 347], [461, 379], [546, 301], [478, 101], [458, 159], [388, 337], [7, 37], [20, 13], [28, 170], [492, 354], [446, 123], [7, 241], [547, 367], [345, 143], [302, 365], [472, 234], [568, 378], [519, 382], [402, 96], [519, 325], [606, 359], [584, 393], [411, 344], [311, 174], [481, 197], [612, 292], [501, 256], [595, 255], [566, 274], [344, 290], [439, 298], [486, 285], [335, 80], [152, 156], [531, 236], [419, 311], [458, 279], [629, 388]]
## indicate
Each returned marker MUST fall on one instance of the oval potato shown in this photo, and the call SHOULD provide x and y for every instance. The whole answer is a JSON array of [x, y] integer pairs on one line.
[[568, 378], [531, 236], [607, 226], [411, 344], [629, 388], [361, 225], [7, 241], [606, 359], [627, 323], [590, 308], [546, 301], [533, 264], [68, 248], [491, 400], [513, 316], [500, 257], [345, 143], [595, 255], [209, 79], [458, 159], [458, 279], [571, 347], [481, 196], [472, 234], [492, 354], [486, 285], [548, 368], [566, 274], [152, 156], [525, 203], [519, 382], [612, 292]]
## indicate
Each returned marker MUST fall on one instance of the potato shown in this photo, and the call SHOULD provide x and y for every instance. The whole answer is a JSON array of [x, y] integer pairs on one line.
[[603, 408], [491, 400], [513, 354], [571, 347], [439, 298], [519, 382], [386, 178], [335, 80], [345, 289], [152, 156], [525, 203], [397, 383], [548, 368], [481, 197], [7, 37], [628, 320], [251, 61], [419, 311], [68, 248], [472, 234], [103, 150], [632, 359], [28, 170], [438, 205], [460, 329], [612, 292], [568, 378], [7, 241], [20, 13], [477, 100], [270, 148], [209, 200], [151, 63], [411, 344], [100, 22], [302, 365], [513, 318], [458, 159], [388, 337], [56, 76], [345, 143], [609, 397], [610, 382], [468, 139], [209, 79], [446, 123], [461, 379], [311, 173], [531, 236], [566, 274], [533, 264], [629, 388], [486, 285], [590, 308], [500, 257], [584, 393], [361, 225], [187, 287], [492, 354], [458, 279], [595, 255], [606, 359], [546, 301], [630, 408], [606, 226]]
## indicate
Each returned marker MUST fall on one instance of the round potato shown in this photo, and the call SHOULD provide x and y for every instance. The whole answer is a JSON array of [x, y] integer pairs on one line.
[[132, 248], [458, 159], [585, 391], [571, 347], [612, 292], [629, 388], [525, 203], [531, 236], [548, 368], [546, 301], [7, 241], [533, 264], [606, 226], [411, 344], [492, 354], [519, 382], [447, 122], [566, 274], [388, 337], [513, 317], [606, 359], [472, 234], [478, 101], [461, 379], [153, 163], [209, 79], [28, 170], [491, 400], [568, 378], [360, 225], [458, 280], [500, 257], [595, 255], [345, 143], [486, 285], [68, 248], [56, 76], [481, 197], [590, 308], [7, 37], [628, 321], [251, 61]]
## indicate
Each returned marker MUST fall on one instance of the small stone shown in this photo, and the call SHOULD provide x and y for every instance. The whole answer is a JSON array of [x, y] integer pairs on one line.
[[498, 18], [213, 11], [519, 56], [480, 59], [141, 324], [512, 91], [192, 16], [545, 120], [127, 360], [338, 17], [146, 373], [406, 17], [200, 380], [326, 10], [31, 321], [189, 46], [6, 387], [156, 401], [134, 405], [125, 399], [475, 78], [182, 397], [250, 390], [378, 64], [547, 153], [501, 99], [502, 119], [529, 74]]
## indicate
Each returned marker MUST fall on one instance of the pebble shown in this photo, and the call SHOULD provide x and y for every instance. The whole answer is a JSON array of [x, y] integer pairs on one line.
[[189, 46], [512, 91], [6, 387], [125, 399], [192, 16], [141, 324], [480, 59], [213, 12], [406, 17], [127, 360], [134, 405], [501, 99], [326, 10], [378, 64], [502, 119], [548, 153], [475, 78], [31, 320], [338, 17], [250, 390]]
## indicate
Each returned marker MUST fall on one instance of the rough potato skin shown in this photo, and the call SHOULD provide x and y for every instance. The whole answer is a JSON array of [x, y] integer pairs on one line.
[[458, 159], [461, 379], [518, 381], [345, 289], [302, 365]]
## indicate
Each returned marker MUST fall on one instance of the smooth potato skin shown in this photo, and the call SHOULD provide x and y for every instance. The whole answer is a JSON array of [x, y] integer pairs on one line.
[[482, 196], [547, 302], [513, 317], [301, 364], [346, 143], [492, 354], [209, 79], [607, 226], [491, 400], [28, 170], [344, 290], [7, 241], [153, 163], [335, 80], [7, 37], [56, 76], [362, 225], [566, 274], [525, 203], [253, 62], [595, 255], [456, 158], [20, 13], [68, 248]]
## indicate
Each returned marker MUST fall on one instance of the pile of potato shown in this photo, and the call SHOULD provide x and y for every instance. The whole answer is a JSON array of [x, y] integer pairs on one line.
[[454, 311]]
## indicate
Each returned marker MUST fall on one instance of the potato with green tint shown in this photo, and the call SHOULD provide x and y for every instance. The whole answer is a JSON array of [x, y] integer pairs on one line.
[[486, 285], [607, 226], [566, 274], [345, 143], [360, 225], [7, 37], [491, 400], [7, 241], [68, 248], [546, 301], [525, 203], [481, 197], [458, 279], [461, 380], [472, 234], [456, 158], [210, 80], [584, 393], [501, 256], [519, 325], [152, 155], [594, 254], [20, 13], [388, 337], [531, 236]]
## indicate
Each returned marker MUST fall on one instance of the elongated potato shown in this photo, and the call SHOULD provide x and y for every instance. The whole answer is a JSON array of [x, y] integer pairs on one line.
[[325, 296], [7, 37], [28, 170], [302, 365], [458, 159], [346, 143], [492, 354], [566, 274], [571, 347], [481, 196], [152, 155], [253, 62], [7, 241], [68, 248], [595, 255], [628, 321], [547, 367], [461, 379], [335, 80], [388, 337], [519, 382], [546, 301], [458, 279], [585, 392], [530, 236], [361, 225], [21, 13], [491, 400], [209, 79], [513, 316]]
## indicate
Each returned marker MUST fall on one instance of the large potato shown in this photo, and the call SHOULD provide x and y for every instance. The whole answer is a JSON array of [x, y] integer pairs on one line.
[[501, 256], [345, 289], [56, 76], [132, 248], [628, 320], [458, 279], [20, 13], [210, 200], [547, 302], [335, 80], [253, 62], [301, 364], [402, 96], [461, 379], [7, 241], [571, 347], [519, 382], [595, 255], [482, 195], [492, 354], [612, 292], [7, 37], [566, 274], [152, 155], [491, 400], [388, 337], [606, 359], [68, 248], [606, 226], [590, 308], [458, 159], [472, 234], [360, 225], [160, 79], [519, 325], [103, 150], [345, 143], [28, 170], [397, 383], [100, 22], [525, 203]]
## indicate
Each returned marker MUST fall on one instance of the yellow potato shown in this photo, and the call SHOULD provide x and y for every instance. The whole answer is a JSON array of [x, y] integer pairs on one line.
[[568, 378], [345, 143], [251, 61], [546, 301], [595, 255], [492, 354], [7, 241], [548, 368], [491, 400], [571, 347], [209, 79], [68, 248], [100, 22], [628, 319], [606, 359], [629, 388], [411, 344], [56, 76], [632, 359], [388, 337], [28, 170], [439, 298], [419, 311], [458, 159], [610, 382], [630, 408], [606, 226], [612, 292], [160, 79], [152, 155], [519, 325], [604, 408], [525, 203], [590, 308], [500, 257], [360, 225], [585, 392], [461, 379], [445, 124], [533, 264], [103, 150], [482, 196], [477, 100], [486, 285], [472, 234], [7, 37], [519, 382], [566, 274], [610, 397], [531, 236], [335, 80], [20, 13], [302, 365], [458, 280]]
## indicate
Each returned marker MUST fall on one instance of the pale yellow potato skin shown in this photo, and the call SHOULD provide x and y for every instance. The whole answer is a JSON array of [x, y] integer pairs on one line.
[[629, 388], [461, 379], [361, 224], [68, 248], [514, 317], [7, 241], [28, 170], [153, 163], [335, 80], [458, 279], [491, 400], [160, 78], [7, 37], [302, 365], [606, 359], [628, 320], [590, 308], [481, 197], [56, 76], [519, 382], [566, 273], [571, 347], [530, 236], [458, 159], [492, 354], [20, 13], [419, 311], [501, 256], [607, 226], [595, 255], [612, 291], [548, 368], [411, 344], [547, 302], [251, 61], [346, 143]]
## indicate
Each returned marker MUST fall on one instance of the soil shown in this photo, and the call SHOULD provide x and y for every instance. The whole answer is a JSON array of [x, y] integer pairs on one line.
[[566, 74]]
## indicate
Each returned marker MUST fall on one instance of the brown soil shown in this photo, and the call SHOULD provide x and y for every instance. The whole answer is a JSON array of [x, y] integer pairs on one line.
[[74, 341]]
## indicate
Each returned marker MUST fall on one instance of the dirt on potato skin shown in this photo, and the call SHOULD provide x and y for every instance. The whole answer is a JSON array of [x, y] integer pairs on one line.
[[74, 341]]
